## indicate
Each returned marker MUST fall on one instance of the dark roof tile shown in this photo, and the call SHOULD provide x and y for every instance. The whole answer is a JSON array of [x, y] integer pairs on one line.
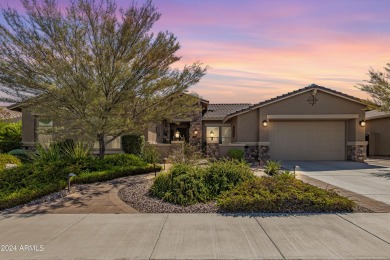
[[219, 111]]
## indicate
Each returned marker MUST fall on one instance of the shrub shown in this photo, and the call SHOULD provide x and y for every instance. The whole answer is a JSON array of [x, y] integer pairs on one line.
[[188, 154], [187, 184], [113, 173], [8, 159], [25, 195], [183, 185], [223, 175], [30, 181], [10, 136], [21, 154], [123, 160], [41, 154], [281, 193], [272, 167], [78, 150], [236, 154], [151, 155], [133, 144]]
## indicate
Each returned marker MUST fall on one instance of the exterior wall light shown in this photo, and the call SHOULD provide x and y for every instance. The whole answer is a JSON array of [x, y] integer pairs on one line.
[[177, 134], [362, 123], [195, 133], [212, 135], [265, 123]]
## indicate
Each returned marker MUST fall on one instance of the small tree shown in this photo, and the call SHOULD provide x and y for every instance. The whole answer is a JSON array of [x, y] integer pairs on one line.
[[97, 70], [378, 87]]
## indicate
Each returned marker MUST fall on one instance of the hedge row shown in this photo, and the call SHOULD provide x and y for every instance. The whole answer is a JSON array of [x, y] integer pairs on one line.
[[32, 181]]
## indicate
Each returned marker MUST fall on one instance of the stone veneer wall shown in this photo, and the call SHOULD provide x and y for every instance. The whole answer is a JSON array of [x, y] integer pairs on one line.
[[251, 153], [196, 125], [356, 153], [212, 150], [264, 153]]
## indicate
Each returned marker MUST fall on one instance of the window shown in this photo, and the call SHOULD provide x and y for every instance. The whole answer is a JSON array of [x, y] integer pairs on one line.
[[212, 134], [219, 134], [226, 135], [44, 131]]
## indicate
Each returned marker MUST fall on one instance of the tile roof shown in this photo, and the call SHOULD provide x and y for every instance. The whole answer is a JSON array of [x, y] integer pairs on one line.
[[311, 86], [6, 114], [220, 111], [374, 114]]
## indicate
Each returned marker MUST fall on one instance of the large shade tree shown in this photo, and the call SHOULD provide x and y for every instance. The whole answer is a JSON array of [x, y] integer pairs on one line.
[[378, 87], [98, 70]]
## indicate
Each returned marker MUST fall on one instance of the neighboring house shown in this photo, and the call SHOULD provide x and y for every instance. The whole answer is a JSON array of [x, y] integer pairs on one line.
[[378, 133], [7, 115], [312, 123]]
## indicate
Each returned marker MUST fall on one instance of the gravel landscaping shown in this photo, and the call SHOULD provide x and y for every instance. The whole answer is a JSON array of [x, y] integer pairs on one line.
[[137, 196]]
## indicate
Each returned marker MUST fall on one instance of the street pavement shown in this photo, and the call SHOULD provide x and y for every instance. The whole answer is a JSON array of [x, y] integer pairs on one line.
[[367, 179], [195, 236]]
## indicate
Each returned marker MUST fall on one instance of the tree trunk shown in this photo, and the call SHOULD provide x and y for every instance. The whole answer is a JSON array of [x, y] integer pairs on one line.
[[102, 146]]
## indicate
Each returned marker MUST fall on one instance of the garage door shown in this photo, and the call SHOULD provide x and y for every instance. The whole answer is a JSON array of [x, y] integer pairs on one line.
[[307, 140]]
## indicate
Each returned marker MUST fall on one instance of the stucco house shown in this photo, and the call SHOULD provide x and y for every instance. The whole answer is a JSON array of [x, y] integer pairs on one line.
[[378, 133], [312, 123]]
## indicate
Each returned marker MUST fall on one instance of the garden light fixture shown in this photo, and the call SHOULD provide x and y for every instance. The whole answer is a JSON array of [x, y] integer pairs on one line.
[[69, 176]]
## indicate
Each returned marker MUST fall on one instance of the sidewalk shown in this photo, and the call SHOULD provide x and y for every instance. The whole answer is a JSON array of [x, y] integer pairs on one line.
[[195, 236]]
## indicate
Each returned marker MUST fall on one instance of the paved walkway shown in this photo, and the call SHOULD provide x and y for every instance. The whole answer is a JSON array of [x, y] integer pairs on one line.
[[195, 236], [372, 181], [96, 198]]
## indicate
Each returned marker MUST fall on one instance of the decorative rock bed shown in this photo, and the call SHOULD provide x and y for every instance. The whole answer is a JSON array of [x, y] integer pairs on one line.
[[137, 196]]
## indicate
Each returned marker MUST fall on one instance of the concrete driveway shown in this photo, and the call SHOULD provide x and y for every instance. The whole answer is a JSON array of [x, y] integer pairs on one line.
[[367, 179]]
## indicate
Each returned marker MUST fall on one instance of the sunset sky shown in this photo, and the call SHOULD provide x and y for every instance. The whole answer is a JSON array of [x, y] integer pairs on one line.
[[260, 49]]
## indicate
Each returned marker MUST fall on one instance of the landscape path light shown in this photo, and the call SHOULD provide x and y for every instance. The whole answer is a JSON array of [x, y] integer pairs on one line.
[[69, 176]]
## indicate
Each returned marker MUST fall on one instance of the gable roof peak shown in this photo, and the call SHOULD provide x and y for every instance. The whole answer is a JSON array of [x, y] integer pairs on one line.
[[293, 93]]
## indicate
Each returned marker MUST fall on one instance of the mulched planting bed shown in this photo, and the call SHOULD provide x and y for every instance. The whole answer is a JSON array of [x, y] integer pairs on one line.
[[137, 196]]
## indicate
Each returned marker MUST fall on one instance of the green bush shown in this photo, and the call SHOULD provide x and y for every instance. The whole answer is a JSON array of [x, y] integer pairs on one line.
[[78, 150], [272, 167], [151, 155], [283, 194], [8, 159], [42, 154], [21, 154], [223, 175], [31, 181], [123, 160], [187, 184], [133, 144], [10, 136], [236, 154], [183, 185], [25, 195], [113, 173]]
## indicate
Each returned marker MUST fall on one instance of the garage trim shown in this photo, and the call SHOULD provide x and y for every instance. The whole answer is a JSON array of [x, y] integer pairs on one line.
[[314, 117]]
